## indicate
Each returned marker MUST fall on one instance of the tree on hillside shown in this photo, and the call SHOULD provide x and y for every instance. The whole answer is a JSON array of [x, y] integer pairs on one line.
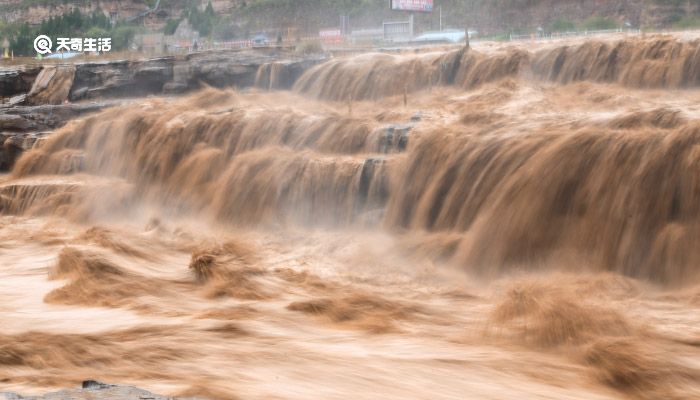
[[71, 24], [202, 21]]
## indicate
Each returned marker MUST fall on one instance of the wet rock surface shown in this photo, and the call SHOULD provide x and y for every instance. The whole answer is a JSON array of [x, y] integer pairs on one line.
[[43, 117], [17, 80], [52, 85], [22, 126], [13, 145], [94, 390], [171, 74], [394, 138], [37, 99]]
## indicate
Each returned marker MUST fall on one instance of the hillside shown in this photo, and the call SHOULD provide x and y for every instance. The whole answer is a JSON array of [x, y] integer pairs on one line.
[[307, 16]]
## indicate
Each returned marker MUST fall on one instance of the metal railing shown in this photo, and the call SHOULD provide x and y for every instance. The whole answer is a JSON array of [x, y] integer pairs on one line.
[[557, 35]]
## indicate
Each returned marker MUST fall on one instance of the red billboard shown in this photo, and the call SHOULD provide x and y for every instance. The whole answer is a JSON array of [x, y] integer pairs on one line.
[[412, 5], [331, 36]]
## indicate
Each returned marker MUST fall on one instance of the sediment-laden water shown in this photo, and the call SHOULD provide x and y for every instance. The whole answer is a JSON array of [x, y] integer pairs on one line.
[[457, 224]]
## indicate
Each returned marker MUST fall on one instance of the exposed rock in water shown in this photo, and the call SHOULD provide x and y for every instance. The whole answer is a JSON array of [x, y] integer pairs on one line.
[[18, 81], [93, 390], [22, 127], [180, 74], [52, 85], [121, 78], [172, 74], [374, 188], [13, 145], [36, 98], [43, 117], [395, 138]]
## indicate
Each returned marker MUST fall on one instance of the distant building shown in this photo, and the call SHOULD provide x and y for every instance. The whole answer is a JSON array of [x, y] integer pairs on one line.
[[398, 31]]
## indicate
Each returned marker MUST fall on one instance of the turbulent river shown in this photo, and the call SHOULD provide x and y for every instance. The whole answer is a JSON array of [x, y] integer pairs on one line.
[[436, 225]]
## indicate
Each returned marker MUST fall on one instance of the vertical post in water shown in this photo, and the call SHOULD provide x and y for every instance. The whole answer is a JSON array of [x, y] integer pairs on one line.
[[466, 37]]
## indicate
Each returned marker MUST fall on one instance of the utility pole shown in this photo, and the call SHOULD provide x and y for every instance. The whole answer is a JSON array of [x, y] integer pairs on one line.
[[344, 24]]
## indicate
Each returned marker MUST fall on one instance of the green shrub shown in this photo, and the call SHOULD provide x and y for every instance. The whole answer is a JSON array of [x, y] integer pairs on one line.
[[310, 47], [598, 23], [171, 26], [122, 36], [96, 32], [202, 21], [687, 23], [71, 24], [562, 25]]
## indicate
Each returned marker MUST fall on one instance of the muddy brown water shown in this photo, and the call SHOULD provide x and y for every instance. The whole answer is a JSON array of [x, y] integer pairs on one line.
[[512, 238]]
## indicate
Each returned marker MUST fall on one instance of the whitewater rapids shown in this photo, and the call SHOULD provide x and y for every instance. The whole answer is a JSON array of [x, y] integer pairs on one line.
[[513, 237]]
